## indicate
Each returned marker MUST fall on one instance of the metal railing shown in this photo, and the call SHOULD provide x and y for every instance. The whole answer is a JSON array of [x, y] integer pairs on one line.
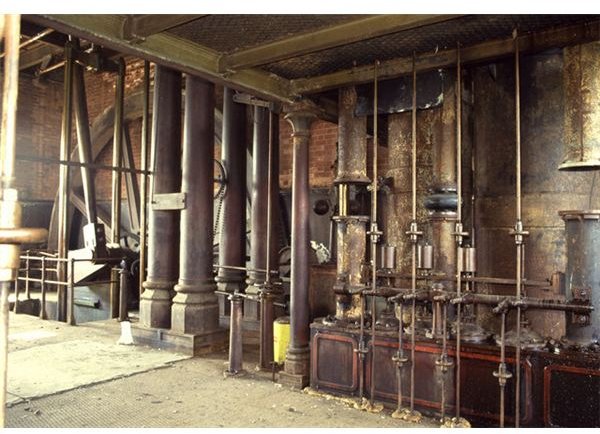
[[36, 266]]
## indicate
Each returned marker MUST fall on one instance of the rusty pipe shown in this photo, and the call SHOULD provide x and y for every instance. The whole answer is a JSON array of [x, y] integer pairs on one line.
[[63, 181], [117, 153], [144, 177], [232, 243], [235, 366]]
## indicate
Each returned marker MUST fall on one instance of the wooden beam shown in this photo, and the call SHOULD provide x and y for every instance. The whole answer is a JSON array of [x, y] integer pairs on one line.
[[484, 52], [139, 27], [167, 50], [330, 37]]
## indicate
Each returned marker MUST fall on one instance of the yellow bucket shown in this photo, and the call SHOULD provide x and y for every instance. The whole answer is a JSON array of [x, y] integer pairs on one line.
[[281, 338]]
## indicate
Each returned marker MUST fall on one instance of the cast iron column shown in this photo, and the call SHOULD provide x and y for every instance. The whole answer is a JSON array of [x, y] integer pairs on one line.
[[163, 239], [195, 309], [258, 218], [232, 245], [297, 362]]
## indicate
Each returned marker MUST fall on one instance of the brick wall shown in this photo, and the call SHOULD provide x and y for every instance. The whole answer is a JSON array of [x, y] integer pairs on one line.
[[322, 153], [38, 134]]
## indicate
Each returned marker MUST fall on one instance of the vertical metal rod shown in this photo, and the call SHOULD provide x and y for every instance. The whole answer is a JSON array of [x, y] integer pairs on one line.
[[144, 186], [123, 291], [9, 99], [5, 288], [16, 282], [11, 25], [458, 225], [518, 239], [235, 336], [444, 357], [63, 181], [27, 293], [502, 365], [266, 296], [400, 359], [43, 314], [71, 293], [374, 230], [414, 244], [269, 199], [117, 151]]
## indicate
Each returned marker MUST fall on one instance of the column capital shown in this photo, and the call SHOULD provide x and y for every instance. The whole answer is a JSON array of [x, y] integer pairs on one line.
[[301, 115]]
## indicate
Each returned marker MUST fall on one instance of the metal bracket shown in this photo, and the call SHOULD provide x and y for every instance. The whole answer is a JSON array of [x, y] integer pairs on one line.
[[168, 201], [244, 98]]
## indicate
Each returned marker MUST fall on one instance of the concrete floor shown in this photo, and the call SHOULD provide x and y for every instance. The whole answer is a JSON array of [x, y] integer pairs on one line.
[[62, 376]]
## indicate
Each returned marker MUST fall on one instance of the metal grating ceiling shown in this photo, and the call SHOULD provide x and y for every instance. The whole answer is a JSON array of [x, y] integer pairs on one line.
[[468, 30], [228, 33]]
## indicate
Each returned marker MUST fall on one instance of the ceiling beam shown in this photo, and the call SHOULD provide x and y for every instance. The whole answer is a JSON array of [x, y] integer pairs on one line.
[[36, 56], [329, 37], [167, 50], [484, 52], [139, 27]]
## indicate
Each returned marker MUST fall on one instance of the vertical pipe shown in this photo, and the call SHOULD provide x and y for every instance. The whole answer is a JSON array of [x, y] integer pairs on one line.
[[414, 233], [267, 293], [5, 288], [16, 282], [123, 291], [12, 32], [374, 231], [27, 264], [114, 292], [235, 366], [63, 182], [195, 307], [163, 238], [518, 234], [258, 217], [144, 176], [43, 314], [232, 243], [458, 231], [71, 293], [117, 151]]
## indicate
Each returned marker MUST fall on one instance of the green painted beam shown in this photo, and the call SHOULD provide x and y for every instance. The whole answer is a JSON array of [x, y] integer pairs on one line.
[[484, 52], [329, 37], [139, 27], [166, 50]]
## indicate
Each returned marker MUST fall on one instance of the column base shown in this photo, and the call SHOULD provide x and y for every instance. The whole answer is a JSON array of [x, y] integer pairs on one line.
[[297, 381], [184, 343], [296, 368], [194, 313], [155, 304]]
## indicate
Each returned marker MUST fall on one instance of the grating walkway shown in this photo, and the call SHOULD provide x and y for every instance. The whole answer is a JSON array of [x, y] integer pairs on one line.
[[149, 388]]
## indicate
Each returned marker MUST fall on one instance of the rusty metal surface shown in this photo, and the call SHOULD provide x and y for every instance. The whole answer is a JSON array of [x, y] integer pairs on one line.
[[582, 274], [582, 111], [352, 140], [545, 189]]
